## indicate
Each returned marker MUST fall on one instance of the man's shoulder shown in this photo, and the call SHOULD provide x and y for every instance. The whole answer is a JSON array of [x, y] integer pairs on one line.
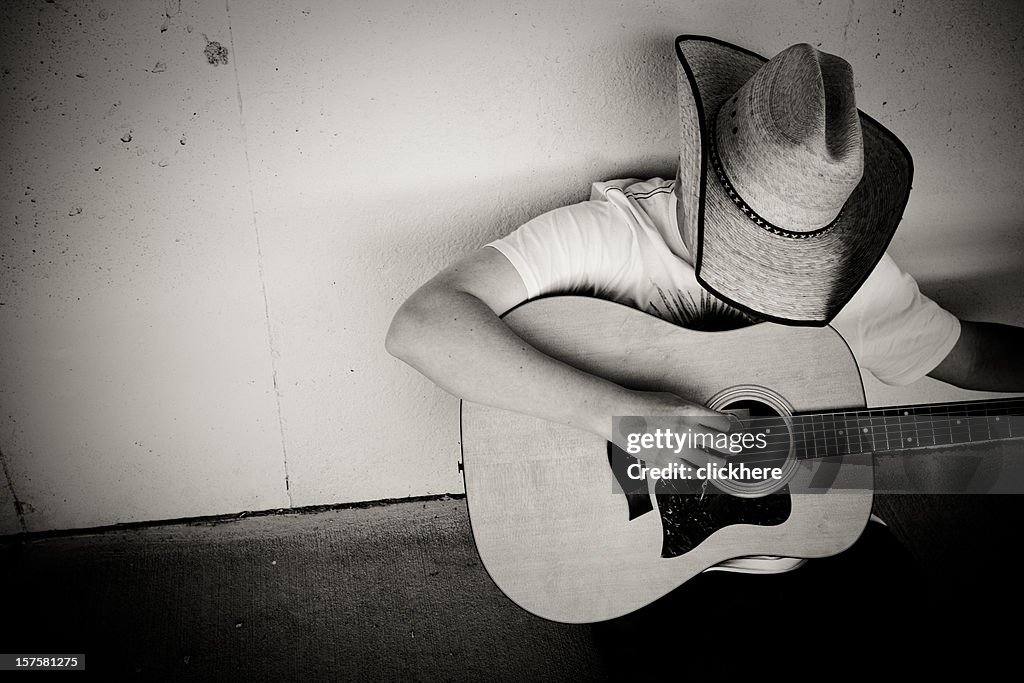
[[633, 188], [623, 207]]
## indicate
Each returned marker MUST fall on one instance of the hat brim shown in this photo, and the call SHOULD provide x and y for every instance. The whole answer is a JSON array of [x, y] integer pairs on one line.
[[778, 278]]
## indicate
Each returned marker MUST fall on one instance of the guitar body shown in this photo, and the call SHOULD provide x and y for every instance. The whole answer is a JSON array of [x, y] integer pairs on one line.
[[551, 531]]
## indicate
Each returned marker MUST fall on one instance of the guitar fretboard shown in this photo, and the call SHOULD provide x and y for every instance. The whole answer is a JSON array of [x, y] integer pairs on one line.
[[876, 430]]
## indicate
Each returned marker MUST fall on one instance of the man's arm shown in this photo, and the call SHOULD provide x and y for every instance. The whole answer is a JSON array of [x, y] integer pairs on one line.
[[450, 330], [986, 357]]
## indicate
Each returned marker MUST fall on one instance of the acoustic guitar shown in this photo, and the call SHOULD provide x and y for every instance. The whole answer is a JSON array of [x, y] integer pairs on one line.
[[567, 533]]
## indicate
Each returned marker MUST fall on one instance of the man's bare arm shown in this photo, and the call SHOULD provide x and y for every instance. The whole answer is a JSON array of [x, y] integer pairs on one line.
[[987, 357], [450, 330]]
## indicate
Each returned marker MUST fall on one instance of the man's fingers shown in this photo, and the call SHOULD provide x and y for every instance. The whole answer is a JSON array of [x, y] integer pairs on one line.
[[701, 446], [721, 422], [699, 458], [694, 435]]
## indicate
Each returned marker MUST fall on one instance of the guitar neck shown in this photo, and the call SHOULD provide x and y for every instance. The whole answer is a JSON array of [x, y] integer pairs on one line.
[[902, 428]]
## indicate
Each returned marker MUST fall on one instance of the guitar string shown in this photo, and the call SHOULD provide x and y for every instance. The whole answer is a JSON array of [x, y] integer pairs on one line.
[[906, 411], [817, 432], [835, 449]]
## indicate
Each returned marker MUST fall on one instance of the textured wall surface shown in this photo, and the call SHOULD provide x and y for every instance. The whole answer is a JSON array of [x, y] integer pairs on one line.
[[210, 210]]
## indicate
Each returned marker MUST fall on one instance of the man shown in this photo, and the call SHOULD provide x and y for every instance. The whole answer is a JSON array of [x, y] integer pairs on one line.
[[449, 329], [783, 205]]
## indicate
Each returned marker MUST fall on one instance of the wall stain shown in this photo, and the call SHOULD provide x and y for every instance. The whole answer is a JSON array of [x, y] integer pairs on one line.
[[172, 8], [216, 53]]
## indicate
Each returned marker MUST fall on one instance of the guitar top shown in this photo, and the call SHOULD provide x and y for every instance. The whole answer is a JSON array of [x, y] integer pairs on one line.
[[550, 527]]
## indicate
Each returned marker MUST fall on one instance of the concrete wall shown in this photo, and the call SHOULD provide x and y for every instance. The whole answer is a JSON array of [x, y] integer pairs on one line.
[[210, 211]]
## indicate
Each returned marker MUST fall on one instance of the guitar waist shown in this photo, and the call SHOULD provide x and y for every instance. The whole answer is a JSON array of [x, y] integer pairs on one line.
[[768, 564], [758, 564]]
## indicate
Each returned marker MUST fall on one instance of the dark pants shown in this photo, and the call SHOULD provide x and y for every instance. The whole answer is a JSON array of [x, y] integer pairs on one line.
[[880, 608]]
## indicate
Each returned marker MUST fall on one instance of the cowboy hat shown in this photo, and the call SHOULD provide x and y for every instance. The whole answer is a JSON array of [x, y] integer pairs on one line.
[[792, 192]]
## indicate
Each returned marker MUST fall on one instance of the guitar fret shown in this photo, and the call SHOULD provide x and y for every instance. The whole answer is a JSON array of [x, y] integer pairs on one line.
[[959, 430], [977, 426], [844, 434], [808, 437], [853, 429], [819, 443], [837, 434], [999, 422], [798, 437], [864, 428], [803, 446], [926, 427], [878, 435], [909, 420], [828, 431], [820, 435], [893, 431], [943, 434], [812, 452]]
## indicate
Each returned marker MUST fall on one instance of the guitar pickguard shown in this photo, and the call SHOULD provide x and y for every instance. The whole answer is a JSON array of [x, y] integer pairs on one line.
[[638, 501], [689, 518]]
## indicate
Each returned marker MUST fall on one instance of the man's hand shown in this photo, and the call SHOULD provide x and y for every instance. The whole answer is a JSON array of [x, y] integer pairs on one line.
[[696, 419]]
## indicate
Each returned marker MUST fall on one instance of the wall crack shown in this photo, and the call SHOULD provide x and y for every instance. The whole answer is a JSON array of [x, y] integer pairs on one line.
[[259, 259], [19, 507]]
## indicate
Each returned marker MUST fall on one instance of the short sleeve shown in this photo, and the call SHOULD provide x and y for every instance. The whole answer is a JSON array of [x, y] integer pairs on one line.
[[894, 331], [578, 249]]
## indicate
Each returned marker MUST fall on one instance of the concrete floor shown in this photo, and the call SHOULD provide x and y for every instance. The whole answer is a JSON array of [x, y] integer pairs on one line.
[[381, 593], [391, 592]]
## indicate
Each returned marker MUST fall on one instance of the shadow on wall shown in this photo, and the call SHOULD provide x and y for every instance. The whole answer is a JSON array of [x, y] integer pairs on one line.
[[989, 296], [973, 270], [423, 231]]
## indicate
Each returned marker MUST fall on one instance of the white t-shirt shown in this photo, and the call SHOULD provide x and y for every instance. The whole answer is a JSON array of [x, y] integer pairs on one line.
[[624, 245]]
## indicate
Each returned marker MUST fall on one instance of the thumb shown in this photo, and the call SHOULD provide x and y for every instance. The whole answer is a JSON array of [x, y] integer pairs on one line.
[[723, 422]]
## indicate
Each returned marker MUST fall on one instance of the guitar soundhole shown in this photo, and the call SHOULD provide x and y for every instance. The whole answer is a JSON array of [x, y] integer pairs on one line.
[[692, 510], [769, 438]]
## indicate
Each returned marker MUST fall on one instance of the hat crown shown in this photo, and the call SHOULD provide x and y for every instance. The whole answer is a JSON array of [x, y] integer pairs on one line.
[[789, 140], [804, 152]]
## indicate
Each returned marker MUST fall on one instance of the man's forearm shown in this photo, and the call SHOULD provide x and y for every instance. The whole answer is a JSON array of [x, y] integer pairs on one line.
[[987, 357], [1000, 357], [462, 345]]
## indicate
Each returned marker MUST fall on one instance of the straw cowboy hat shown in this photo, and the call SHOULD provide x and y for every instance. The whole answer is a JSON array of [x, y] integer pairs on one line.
[[793, 193]]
